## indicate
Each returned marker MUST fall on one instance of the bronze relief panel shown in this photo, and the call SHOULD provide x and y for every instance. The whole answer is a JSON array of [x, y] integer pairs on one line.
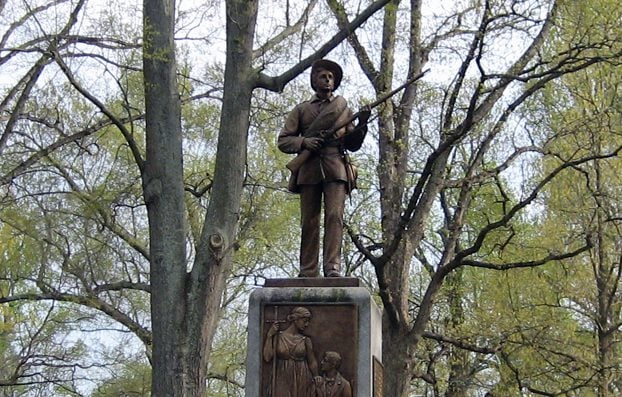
[[309, 350]]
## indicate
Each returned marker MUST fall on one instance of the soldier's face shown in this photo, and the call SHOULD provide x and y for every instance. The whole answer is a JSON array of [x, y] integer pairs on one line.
[[324, 80]]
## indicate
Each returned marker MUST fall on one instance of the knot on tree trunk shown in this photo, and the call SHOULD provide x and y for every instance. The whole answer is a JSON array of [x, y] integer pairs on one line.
[[216, 243], [152, 189]]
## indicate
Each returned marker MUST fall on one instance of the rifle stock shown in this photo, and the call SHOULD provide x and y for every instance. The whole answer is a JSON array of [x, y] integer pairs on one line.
[[297, 162]]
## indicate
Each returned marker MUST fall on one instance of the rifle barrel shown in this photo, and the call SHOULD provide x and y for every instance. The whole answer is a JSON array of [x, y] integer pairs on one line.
[[395, 91], [380, 100]]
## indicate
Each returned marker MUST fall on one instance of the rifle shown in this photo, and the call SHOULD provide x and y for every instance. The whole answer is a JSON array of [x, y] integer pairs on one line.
[[297, 162]]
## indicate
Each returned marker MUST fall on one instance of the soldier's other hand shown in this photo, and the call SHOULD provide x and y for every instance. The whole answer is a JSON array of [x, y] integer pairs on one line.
[[312, 144], [364, 114]]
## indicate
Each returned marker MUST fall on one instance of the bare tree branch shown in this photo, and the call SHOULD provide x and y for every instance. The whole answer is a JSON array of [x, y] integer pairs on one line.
[[126, 133], [90, 301], [461, 344], [32, 76], [288, 31], [62, 141], [277, 83], [361, 53]]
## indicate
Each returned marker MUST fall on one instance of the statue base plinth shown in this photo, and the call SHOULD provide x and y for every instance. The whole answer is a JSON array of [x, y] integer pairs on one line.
[[326, 282], [344, 319]]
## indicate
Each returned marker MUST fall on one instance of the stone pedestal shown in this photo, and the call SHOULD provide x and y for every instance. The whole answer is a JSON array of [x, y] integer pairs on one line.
[[344, 319]]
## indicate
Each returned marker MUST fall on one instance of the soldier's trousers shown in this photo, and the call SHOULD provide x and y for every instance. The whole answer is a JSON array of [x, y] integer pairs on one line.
[[334, 196]]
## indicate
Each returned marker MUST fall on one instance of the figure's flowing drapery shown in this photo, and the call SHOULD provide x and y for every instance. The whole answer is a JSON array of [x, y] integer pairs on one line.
[[293, 376]]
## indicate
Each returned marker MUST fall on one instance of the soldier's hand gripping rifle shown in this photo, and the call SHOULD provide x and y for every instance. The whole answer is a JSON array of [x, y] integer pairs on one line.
[[304, 155]]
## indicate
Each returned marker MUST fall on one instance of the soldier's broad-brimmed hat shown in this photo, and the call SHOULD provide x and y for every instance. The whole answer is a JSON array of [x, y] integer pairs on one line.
[[327, 65]]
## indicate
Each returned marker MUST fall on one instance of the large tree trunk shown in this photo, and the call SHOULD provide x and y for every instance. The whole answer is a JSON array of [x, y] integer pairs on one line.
[[164, 194], [393, 145], [607, 278], [216, 246], [185, 308], [458, 381], [397, 358]]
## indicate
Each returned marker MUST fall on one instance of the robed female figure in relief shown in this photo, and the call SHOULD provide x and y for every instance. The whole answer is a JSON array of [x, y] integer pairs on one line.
[[296, 368]]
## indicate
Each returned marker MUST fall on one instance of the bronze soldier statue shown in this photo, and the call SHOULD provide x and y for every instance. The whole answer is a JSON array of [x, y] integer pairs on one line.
[[321, 128]]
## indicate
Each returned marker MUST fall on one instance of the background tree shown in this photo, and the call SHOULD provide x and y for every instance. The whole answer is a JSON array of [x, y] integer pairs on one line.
[[434, 158], [562, 351], [590, 288]]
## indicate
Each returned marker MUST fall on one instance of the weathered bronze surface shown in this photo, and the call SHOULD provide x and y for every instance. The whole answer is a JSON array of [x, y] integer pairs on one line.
[[296, 339], [378, 378], [331, 382]]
